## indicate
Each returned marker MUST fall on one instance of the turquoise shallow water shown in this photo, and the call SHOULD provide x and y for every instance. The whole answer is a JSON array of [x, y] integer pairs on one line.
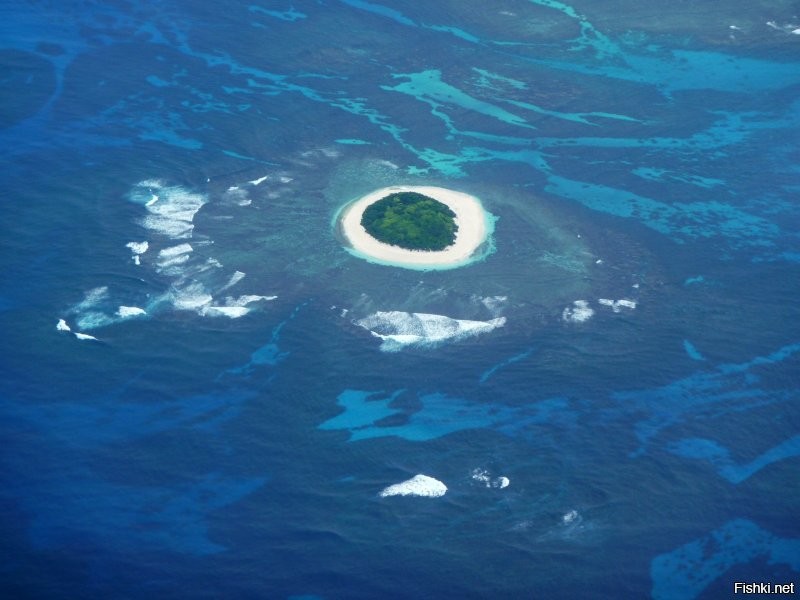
[[204, 395]]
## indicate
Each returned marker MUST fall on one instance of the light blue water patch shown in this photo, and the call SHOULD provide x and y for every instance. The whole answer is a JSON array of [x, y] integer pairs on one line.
[[681, 70], [156, 81], [694, 280], [728, 130], [487, 80], [591, 38], [427, 86], [787, 256], [780, 355], [379, 9], [729, 388], [440, 415], [720, 457], [663, 175], [509, 361], [581, 117], [166, 128], [692, 351], [352, 142], [285, 15], [459, 33], [398, 17], [679, 220], [268, 355], [678, 70], [361, 409], [685, 572]]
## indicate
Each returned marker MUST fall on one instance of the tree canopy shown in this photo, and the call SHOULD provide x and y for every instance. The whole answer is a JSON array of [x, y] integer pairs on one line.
[[411, 220]]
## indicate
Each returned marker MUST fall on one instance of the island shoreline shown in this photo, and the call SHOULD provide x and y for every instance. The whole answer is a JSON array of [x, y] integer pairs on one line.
[[474, 228]]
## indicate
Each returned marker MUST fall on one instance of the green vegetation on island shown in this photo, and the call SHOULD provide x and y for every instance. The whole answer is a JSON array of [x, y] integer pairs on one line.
[[412, 221]]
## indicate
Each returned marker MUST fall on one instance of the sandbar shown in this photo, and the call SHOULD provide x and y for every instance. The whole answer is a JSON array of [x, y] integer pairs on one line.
[[474, 226]]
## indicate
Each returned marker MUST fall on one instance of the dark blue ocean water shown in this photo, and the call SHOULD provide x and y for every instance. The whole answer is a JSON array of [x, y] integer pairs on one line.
[[610, 396]]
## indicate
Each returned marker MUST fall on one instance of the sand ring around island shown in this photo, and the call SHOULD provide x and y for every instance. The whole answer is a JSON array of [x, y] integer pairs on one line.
[[472, 241]]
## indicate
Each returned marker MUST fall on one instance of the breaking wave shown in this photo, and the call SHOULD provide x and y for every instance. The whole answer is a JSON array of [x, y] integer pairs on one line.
[[419, 485], [398, 330]]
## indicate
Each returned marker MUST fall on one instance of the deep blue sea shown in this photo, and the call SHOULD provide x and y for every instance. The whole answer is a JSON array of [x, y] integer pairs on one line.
[[204, 395]]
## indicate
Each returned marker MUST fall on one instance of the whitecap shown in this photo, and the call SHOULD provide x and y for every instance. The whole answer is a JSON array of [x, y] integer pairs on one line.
[[233, 312], [85, 336], [419, 485], [483, 476], [172, 257], [173, 251], [238, 196], [569, 517], [94, 319], [126, 312], [259, 181], [246, 299], [616, 305], [579, 312], [62, 325], [138, 247], [92, 298], [235, 278], [192, 297], [171, 209], [494, 304], [400, 329]]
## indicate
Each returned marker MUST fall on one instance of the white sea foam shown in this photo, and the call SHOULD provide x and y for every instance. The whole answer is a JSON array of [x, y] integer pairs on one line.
[[85, 336], [579, 312], [62, 325], [191, 297], [400, 329], [235, 278], [246, 299], [174, 251], [419, 485], [170, 209], [238, 196], [483, 476], [138, 247], [94, 319], [494, 304], [787, 27], [92, 298], [617, 305], [233, 312], [172, 257], [569, 517], [125, 312], [259, 181]]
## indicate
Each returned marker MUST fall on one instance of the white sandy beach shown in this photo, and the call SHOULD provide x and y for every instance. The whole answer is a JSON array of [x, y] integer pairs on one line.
[[470, 218]]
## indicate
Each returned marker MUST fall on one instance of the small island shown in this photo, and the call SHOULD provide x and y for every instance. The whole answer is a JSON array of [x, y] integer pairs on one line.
[[411, 220], [416, 227]]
